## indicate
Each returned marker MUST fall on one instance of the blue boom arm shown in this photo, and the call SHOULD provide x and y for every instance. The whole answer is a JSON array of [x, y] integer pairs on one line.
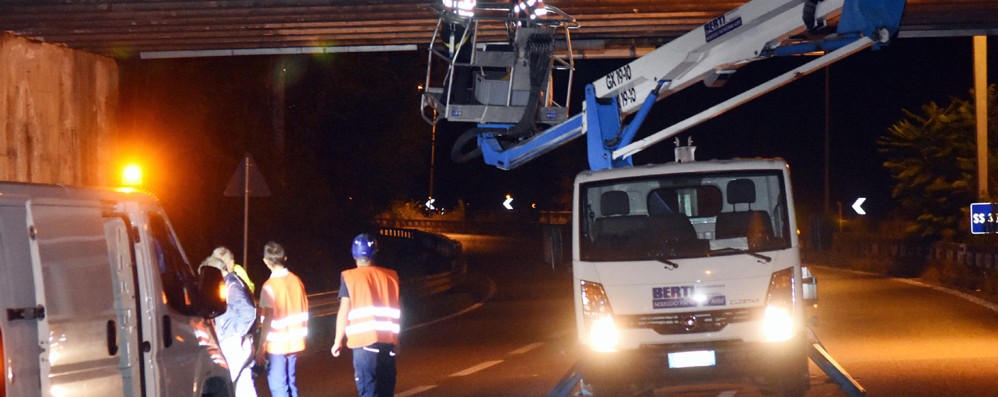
[[756, 30]]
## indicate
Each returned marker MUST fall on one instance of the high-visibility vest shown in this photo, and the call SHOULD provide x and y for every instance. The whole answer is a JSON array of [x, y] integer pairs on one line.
[[375, 313], [284, 293]]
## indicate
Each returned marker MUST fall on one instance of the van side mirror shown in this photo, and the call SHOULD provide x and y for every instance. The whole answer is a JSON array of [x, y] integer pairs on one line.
[[810, 285], [211, 287]]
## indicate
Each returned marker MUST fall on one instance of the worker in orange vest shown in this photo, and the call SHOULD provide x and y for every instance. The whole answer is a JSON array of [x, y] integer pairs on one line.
[[283, 324], [369, 320]]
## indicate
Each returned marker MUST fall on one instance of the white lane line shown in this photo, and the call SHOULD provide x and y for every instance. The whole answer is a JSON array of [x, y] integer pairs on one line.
[[414, 391], [916, 282], [962, 295], [526, 348], [469, 309], [476, 368], [729, 393]]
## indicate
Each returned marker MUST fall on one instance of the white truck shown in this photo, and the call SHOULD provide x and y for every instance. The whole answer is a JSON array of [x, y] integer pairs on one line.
[[689, 270], [685, 270], [100, 300]]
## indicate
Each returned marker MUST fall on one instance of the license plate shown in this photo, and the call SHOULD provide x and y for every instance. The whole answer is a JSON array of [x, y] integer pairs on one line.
[[699, 358]]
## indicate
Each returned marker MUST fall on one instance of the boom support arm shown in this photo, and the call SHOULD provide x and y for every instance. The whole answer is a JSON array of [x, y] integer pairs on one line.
[[757, 30]]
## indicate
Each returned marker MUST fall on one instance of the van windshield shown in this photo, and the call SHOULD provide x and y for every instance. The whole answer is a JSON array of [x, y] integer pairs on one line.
[[683, 216]]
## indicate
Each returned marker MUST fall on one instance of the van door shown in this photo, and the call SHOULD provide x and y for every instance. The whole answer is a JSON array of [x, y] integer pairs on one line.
[[73, 282], [126, 304], [18, 332]]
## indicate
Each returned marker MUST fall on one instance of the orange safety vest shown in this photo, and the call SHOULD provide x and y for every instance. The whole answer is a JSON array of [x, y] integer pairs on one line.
[[284, 293], [375, 313]]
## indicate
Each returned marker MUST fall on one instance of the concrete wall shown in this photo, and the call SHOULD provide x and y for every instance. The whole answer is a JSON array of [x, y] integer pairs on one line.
[[57, 114]]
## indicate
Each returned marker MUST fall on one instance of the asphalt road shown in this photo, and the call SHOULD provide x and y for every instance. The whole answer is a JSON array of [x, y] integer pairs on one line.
[[515, 337]]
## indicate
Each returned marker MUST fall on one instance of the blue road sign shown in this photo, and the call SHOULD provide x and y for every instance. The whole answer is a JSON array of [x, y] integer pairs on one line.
[[983, 218]]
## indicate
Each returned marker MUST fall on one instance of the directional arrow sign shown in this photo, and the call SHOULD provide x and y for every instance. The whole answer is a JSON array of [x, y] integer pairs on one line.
[[858, 206], [508, 203], [429, 203]]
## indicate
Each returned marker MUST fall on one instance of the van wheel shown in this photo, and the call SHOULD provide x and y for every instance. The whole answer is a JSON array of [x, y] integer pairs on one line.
[[216, 387]]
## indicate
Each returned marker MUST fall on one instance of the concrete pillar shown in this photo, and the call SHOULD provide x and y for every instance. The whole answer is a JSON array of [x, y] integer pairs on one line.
[[57, 114]]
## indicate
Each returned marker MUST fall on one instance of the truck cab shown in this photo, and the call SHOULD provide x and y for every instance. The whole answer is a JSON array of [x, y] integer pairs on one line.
[[99, 298], [688, 270]]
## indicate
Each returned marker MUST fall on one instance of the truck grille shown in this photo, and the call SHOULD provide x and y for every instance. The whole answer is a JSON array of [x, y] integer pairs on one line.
[[689, 322]]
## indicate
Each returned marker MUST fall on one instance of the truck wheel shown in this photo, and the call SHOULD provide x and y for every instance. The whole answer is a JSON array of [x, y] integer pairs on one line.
[[793, 383], [615, 389]]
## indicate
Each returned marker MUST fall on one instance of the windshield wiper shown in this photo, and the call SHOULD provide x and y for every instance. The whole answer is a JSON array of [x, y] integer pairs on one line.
[[747, 252], [668, 264]]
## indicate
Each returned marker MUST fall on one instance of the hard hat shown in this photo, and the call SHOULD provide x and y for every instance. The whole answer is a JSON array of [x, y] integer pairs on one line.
[[364, 246]]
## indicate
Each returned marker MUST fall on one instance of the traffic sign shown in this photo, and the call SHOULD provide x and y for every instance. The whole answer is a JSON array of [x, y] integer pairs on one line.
[[508, 203], [858, 206], [983, 218]]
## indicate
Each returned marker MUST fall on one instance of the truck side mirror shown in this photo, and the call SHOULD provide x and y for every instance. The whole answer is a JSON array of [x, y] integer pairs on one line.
[[211, 286], [810, 285]]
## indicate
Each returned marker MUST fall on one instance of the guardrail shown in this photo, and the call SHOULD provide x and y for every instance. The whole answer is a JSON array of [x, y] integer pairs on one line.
[[448, 267], [958, 253]]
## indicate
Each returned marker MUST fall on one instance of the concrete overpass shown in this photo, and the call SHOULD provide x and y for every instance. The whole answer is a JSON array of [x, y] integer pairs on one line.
[[59, 75], [189, 28]]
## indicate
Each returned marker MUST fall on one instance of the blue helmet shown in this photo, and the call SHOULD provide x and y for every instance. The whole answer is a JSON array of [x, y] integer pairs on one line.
[[364, 246]]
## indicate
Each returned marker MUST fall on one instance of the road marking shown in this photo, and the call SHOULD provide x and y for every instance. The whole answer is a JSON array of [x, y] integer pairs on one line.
[[469, 309], [414, 391], [729, 393], [526, 348], [962, 295], [476, 368], [965, 296]]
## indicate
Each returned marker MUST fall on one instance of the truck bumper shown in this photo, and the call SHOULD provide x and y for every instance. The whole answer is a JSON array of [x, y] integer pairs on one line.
[[732, 360]]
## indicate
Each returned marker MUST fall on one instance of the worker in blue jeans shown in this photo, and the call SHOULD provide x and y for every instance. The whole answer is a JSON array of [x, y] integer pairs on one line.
[[369, 320]]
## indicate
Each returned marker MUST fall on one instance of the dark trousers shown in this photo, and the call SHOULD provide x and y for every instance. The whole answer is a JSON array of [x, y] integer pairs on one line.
[[374, 370]]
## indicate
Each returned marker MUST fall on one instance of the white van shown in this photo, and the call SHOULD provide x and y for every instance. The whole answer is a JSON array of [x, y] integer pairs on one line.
[[99, 299], [688, 271]]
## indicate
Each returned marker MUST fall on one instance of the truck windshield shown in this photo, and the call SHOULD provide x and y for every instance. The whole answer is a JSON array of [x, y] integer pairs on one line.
[[683, 216]]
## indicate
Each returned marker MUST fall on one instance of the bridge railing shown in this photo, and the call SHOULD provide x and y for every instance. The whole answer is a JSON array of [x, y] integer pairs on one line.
[[427, 263]]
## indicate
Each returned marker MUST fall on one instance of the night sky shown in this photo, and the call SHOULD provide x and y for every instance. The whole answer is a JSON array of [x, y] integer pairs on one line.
[[354, 140]]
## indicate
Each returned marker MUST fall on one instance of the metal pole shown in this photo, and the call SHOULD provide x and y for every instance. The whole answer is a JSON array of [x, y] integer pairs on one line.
[[981, 105], [433, 149], [828, 157], [246, 193]]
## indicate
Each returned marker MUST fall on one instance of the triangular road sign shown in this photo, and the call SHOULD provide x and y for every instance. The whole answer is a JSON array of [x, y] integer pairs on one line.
[[257, 185]]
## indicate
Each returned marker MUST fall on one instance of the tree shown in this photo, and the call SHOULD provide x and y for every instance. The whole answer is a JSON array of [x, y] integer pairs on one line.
[[932, 158]]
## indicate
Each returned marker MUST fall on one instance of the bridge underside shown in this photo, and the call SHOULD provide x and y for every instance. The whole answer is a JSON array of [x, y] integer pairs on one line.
[[609, 28]]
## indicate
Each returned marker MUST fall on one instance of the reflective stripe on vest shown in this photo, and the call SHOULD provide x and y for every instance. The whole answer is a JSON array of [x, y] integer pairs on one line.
[[373, 318], [375, 315], [289, 329]]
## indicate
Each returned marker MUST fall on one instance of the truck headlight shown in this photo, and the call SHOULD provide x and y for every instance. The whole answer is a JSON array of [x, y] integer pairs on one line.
[[778, 322], [598, 317]]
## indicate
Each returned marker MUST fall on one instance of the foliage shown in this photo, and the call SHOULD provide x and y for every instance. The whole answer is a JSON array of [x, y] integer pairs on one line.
[[414, 210], [932, 158]]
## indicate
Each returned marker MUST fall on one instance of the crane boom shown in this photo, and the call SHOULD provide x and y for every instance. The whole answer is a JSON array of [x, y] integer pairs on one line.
[[711, 54]]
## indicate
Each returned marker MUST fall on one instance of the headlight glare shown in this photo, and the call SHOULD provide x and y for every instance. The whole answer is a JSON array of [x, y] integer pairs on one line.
[[598, 317], [778, 323]]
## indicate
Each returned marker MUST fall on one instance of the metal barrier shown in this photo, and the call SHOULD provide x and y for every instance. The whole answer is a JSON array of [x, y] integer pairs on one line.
[[443, 249]]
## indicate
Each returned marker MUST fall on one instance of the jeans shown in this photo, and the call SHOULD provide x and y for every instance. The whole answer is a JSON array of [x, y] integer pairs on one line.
[[374, 370], [281, 374]]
